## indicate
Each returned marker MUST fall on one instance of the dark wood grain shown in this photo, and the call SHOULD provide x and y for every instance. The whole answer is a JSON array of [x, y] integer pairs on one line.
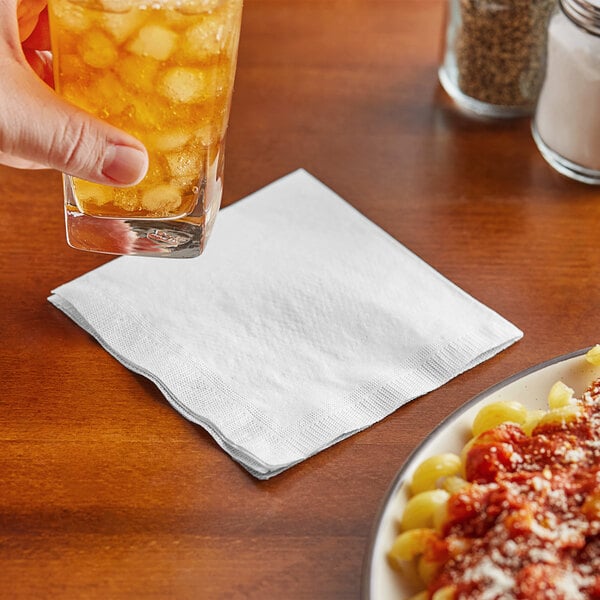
[[106, 493]]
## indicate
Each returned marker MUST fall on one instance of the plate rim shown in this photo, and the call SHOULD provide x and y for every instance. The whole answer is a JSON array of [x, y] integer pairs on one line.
[[398, 479]]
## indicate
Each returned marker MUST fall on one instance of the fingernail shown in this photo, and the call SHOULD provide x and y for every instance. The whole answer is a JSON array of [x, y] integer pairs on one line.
[[125, 165]]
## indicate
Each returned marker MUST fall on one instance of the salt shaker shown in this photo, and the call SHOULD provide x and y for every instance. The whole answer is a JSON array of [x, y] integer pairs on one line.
[[566, 126], [494, 55]]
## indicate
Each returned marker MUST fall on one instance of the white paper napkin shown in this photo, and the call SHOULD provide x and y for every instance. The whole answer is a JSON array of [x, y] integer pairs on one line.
[[301, 324]]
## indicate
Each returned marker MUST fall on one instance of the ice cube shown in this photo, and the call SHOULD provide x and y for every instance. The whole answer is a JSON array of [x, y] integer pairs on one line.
[[161, 198], [154, 41], [126, 198], [207, 134], [109, 95], [71, 17], [197, 7], [185, 165], [204, 40], [138, 72], [168, 141], [122, 26], [185, 84], [98, 51], [146, 115], [92, 193], [117, 6], [175, 19]]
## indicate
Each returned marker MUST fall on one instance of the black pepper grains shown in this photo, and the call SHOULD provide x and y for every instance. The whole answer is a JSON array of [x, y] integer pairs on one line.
[[495, 54]]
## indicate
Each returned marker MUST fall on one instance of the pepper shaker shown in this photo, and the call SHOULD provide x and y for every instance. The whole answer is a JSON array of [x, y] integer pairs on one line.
[[566, 127], [494, 55]]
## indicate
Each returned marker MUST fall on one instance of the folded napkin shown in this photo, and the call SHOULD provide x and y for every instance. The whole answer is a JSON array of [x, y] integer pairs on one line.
[[301, 324]]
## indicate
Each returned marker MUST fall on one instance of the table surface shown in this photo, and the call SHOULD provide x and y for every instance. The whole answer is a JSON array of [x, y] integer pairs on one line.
[[106, 492]]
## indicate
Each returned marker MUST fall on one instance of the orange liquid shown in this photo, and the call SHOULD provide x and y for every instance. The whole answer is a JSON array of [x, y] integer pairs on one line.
[[164, 73]]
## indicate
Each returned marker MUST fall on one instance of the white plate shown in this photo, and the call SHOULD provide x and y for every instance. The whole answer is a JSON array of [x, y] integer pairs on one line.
[[530, 387]]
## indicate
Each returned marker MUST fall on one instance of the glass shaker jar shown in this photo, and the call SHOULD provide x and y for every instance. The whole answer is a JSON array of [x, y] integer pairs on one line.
[[494, 56], [566, 127]]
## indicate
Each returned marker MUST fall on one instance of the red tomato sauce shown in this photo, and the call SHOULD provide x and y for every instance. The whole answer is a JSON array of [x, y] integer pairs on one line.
[[529, 525]]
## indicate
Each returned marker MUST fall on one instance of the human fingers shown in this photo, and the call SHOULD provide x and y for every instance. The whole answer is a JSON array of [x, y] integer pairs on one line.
[[40, 127], [19, 163]]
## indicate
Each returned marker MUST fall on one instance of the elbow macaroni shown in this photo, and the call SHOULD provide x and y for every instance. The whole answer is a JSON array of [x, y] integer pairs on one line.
[[439, 477]]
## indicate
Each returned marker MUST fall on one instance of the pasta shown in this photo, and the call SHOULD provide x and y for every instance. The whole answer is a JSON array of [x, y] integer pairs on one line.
[[517, 514]]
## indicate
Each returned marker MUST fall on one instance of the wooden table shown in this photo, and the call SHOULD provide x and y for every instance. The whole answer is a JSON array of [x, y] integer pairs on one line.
[[107, 493]]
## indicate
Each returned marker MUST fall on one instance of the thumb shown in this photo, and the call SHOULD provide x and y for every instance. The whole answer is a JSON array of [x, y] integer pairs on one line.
[[38, 126]]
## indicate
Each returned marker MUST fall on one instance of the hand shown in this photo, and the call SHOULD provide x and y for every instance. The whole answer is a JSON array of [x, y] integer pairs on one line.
[[38, 129]]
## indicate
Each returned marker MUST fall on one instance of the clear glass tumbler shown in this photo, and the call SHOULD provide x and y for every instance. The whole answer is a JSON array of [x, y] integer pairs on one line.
[[162, 70]]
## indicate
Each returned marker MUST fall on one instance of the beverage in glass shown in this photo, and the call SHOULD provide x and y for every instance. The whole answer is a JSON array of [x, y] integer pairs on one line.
[[163, 71]]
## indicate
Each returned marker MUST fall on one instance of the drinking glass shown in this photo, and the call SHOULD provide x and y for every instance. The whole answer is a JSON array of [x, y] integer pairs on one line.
[[162, 70]]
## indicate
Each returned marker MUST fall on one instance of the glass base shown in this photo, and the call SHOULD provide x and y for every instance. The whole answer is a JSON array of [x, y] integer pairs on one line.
[[173, 237], [182, 238], [563, 165], [483, 109]]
